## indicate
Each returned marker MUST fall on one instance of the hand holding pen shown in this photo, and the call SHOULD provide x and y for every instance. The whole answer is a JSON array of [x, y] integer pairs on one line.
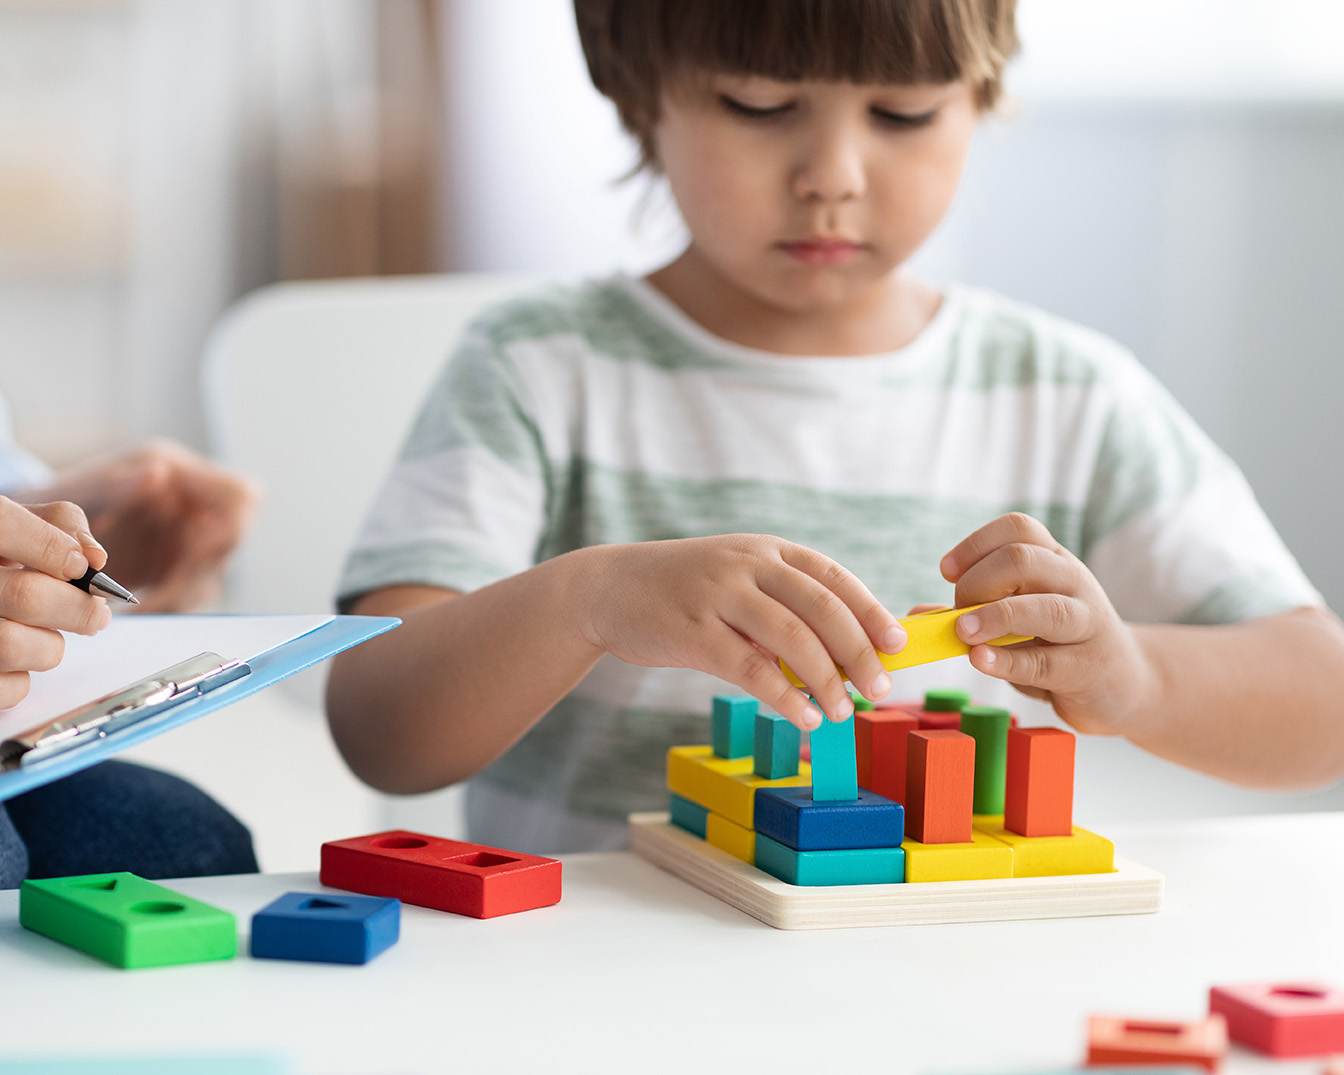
[[44, 548]]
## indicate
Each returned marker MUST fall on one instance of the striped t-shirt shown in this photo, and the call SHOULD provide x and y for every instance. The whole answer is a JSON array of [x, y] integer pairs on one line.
[[600, 413]]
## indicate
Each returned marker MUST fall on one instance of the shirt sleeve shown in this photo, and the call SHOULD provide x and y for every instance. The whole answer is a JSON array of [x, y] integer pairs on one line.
[[465, 503]]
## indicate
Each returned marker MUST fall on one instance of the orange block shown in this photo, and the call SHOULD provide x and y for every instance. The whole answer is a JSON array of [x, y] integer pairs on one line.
[[939, 786], [1038, 785], [880, 737], [1112, 1040]]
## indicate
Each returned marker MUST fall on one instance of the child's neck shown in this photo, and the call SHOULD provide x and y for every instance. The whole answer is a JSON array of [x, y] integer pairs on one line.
[[883, 318]]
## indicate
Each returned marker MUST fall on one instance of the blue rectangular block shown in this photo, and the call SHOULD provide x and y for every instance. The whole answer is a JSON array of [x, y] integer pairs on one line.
[[835, 766], [733, 725], [687, 815], [791, 817], [851, 866], [778, 744], [325, 928]]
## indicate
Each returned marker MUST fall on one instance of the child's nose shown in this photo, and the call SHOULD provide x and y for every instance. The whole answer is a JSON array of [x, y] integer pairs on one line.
[[831, 169]]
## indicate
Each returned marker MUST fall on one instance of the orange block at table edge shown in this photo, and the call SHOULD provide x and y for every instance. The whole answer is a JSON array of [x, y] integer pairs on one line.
[[931, 636]]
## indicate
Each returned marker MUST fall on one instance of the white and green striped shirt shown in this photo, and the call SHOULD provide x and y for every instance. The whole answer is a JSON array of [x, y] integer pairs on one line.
[[600, 413]]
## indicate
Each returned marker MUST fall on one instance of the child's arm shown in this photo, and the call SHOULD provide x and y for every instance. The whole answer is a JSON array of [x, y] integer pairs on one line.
[[466, 675], [1257, 703]]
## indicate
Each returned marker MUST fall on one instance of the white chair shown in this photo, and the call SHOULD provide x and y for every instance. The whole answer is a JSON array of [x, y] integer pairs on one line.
[[310, 388]]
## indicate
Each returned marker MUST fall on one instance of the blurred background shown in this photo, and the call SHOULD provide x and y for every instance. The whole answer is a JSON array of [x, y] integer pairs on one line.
[[1169, 171]]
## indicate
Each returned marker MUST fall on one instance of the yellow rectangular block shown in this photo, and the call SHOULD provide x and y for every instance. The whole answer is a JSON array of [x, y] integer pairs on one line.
[[931, 636], [1056, 856], [731, 837], [725, 786], [983, 858]]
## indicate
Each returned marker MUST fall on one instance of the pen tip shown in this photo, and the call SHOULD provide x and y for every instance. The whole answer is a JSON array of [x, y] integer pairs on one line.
[[133, 599]]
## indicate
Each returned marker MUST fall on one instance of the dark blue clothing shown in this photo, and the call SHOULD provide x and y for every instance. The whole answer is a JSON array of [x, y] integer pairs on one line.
[[117, 817]]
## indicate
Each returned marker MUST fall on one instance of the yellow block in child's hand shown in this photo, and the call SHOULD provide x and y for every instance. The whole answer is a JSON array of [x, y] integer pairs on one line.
[[932, 636]]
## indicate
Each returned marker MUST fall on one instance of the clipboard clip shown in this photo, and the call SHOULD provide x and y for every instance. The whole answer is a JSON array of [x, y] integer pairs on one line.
[[129, 705]]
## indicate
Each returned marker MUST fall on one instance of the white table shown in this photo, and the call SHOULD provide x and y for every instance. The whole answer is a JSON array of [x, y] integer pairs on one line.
[[636, 971]]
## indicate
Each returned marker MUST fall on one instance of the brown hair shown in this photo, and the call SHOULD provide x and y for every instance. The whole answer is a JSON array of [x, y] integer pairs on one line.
[[634, 46]]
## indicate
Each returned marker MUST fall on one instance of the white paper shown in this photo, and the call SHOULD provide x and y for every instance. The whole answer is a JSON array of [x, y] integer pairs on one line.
[[135, 646]]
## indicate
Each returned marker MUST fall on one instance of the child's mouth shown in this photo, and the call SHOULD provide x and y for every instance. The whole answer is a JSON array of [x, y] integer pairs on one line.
[[821, 251]]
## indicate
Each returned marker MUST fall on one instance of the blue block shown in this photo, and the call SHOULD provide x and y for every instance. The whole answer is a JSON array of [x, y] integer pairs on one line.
[[687, 815], [850, 866], [325, 928], [835, 766], [791, 817], [733, 725], [778, 744]]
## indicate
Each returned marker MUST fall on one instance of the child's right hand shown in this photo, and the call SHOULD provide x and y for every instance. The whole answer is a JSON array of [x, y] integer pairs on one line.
[[42, 547], [734, 606]]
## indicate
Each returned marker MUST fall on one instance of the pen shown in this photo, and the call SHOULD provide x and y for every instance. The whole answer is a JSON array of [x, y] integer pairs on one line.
[[94, 581]]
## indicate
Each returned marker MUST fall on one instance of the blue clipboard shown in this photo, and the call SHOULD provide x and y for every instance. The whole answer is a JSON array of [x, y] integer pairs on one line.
[[158, 709]]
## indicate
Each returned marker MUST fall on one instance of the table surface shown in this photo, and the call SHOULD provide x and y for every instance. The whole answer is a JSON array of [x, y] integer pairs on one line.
[[636, 970]]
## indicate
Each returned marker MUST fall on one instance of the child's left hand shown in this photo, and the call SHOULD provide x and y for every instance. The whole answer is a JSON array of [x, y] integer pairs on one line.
[[1084, 659]]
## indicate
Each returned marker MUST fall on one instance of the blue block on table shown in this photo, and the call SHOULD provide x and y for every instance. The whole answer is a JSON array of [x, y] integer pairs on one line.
[[793, 818], [732, 723], [325, 928]]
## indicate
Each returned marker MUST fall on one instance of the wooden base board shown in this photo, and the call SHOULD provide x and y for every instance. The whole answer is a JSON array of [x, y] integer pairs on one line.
[[1131, 889]]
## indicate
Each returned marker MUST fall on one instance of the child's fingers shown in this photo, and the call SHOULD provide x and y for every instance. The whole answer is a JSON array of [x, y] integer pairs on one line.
[[1015, 528], [776, 629], [1021, 568], [1048, 617], [740, 661]]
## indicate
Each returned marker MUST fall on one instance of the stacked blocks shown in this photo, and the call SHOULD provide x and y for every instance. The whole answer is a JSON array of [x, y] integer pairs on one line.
[[1293, 1019], [446, 875], [127, 921], [324, 928], [888, 796]]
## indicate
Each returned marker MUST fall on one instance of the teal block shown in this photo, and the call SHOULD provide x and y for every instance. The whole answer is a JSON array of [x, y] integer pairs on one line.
[[687, 815], [856, 866], [778, 744], [127, 921], [835, 765], [733, 725]]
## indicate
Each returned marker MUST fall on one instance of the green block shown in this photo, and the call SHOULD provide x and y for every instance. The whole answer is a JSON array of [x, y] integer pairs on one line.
[[857, 866], [861, 704], [835, 765], [733, 725], [778, 744], [126, 920], [946, 700], [988, 726]]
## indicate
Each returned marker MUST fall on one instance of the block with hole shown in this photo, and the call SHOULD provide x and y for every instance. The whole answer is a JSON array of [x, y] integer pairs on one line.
[[1283, 1019], [1119, 1040], [325, 928]]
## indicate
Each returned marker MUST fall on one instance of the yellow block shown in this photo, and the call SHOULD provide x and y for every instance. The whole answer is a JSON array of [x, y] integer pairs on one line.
[[931, 636], [731, 837], [725, 786], [984, 857], [1055, 856]]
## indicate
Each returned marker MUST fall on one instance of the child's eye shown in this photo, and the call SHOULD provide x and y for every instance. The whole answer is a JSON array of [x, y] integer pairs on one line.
[[738, 108], [904, 120]]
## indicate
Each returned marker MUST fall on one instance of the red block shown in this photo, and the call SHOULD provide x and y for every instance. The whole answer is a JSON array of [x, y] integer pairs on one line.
[[1135, 1041], [939, 786], [447, 875], [1294, 1019], [880, 737], [1038, 784]]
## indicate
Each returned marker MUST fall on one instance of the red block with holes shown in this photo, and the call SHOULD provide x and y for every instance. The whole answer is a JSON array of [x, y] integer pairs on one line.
[[1112, 1040], [447, 875], [1291, 1019], [880, 737]]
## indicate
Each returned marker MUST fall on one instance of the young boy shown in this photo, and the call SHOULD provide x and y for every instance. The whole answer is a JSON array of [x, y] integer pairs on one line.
[[625, 495]]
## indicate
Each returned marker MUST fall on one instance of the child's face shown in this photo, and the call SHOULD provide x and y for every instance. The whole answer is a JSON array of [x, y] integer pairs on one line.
[[805, 195]]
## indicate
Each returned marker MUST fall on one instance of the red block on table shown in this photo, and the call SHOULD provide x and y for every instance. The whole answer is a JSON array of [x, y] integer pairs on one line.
[[880, 738], [939, 786], [1112, 1040], [1038, 784], [1294, 1019], [447, 875]]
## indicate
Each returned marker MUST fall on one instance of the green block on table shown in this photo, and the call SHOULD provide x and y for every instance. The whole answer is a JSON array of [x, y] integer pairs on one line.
[[946, 699], [778, 744], [127, 921], [988, 726], [733, 725], [835, 765]]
